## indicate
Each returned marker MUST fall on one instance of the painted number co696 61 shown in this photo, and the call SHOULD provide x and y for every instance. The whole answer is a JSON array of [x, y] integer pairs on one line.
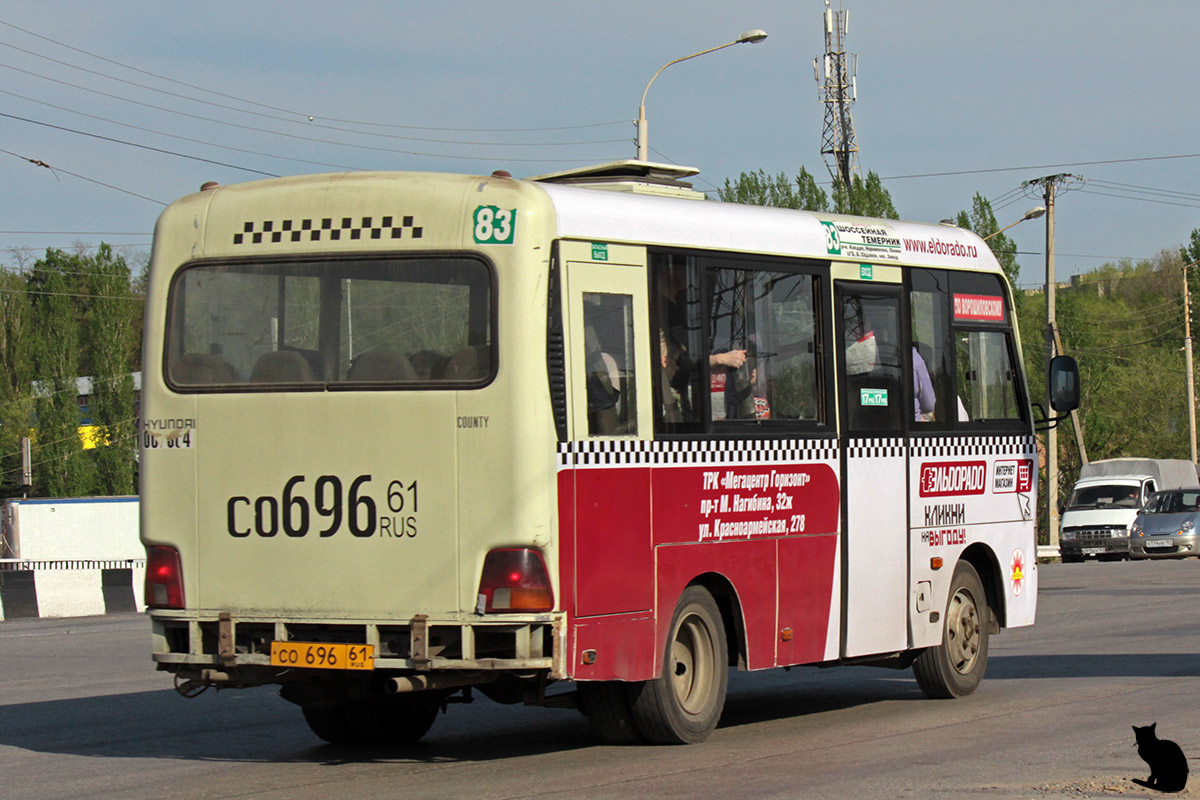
[[326, 505]]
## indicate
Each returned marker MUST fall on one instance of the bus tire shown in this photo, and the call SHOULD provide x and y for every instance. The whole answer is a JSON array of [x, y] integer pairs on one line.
[[329, 724], [684, 703], [371, 723], [956, 666], [606, 706]]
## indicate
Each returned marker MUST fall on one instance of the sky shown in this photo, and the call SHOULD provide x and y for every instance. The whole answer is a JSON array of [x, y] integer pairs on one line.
[[127, 106]]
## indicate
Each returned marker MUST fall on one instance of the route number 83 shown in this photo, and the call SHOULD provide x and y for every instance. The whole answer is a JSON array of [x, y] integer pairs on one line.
[[494, 225]]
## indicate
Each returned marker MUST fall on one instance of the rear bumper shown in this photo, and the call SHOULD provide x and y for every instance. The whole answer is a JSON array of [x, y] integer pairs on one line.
[[237, 650]]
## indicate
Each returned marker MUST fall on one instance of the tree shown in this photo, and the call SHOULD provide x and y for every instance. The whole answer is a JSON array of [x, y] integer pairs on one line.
[[111, 320], [70, 316], [982, 221], [759, 189], [61, 468], [865, 198], [16, 402]]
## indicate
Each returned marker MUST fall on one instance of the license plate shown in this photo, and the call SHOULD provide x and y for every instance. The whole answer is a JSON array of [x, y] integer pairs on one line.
[[315, 655], [1093, 551], [1159, 543]]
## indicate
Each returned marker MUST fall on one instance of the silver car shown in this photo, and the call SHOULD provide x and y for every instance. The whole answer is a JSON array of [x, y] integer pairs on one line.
[[1167, 526]]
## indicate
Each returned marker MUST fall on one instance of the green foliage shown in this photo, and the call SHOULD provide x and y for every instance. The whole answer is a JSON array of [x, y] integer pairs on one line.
[[69, 316], [16, 401], [1124, 324], [112, 322], [62, 470], [760, 189], [982, 221], [865, 198]]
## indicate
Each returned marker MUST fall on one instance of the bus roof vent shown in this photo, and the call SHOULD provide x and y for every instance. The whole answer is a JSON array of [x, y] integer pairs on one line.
[[640, 177]]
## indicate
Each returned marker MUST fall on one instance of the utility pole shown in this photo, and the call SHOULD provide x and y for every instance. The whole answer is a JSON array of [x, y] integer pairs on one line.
[[1187, 351], [1076, 422], [1050, 186], [836, 72]]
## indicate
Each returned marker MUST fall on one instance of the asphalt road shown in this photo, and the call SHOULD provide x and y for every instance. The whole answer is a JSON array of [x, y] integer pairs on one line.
[[83, 714]]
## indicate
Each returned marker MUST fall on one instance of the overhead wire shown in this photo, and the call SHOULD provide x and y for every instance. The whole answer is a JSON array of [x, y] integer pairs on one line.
[[310, 123], [177, 136], [303, 114], [56, 169]]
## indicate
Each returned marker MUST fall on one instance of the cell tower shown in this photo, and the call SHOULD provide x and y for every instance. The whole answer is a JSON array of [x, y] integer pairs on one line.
[[837, 74]]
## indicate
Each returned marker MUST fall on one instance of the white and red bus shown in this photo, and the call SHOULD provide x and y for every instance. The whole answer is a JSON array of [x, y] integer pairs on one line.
[[405, 436]]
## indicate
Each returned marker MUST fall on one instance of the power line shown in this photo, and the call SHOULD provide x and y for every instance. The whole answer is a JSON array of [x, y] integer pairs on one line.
[[1140, 199], [1147, 189], [1039, 167], [176, 136], [309, 123], [304, 114], [56, 170], [133, 144]]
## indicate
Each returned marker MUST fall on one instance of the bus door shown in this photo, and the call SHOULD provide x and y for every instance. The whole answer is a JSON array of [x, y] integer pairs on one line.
[[874, 468], [608, 359]]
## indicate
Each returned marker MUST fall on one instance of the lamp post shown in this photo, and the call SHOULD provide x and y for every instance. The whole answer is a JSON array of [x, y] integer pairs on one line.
[[1032, 213], [643, 146]]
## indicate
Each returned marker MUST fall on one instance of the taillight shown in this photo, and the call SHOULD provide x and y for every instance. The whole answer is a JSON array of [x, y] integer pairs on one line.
[[515, 579], [164, 577]]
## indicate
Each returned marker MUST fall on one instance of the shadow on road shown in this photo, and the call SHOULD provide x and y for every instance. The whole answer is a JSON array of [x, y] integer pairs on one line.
[[258, 726], [1101, 665]]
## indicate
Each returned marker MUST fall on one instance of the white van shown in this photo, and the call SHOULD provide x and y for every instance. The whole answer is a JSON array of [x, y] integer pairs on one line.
[[1106, 499]]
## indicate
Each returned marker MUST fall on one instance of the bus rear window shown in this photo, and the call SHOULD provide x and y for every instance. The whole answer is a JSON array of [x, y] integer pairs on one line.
[[343, 324]]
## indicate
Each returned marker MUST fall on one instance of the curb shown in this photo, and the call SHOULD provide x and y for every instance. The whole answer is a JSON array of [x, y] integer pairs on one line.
[[29, 590]]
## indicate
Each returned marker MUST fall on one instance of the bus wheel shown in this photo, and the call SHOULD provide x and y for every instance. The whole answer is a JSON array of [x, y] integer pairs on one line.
[[955, 667], [329, 724], [606, 705], [371, 723], [684, 703]]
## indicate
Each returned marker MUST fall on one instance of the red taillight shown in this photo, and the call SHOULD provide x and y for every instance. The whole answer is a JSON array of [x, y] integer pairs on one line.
[[164, 577], [515, 579]]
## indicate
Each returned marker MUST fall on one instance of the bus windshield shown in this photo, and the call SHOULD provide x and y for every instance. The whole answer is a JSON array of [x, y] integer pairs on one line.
[[331, 324]]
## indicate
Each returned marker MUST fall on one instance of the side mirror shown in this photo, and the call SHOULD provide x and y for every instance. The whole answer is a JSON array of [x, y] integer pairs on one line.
[[1063, 380]]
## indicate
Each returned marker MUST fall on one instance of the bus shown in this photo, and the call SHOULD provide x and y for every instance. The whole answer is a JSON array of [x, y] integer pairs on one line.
[[585, 440]]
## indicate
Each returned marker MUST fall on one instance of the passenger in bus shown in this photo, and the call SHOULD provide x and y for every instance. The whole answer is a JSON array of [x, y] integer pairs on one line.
[[680, 366], [429, 364], [672, 410], [603, 392], [743, 398], [924, 398]]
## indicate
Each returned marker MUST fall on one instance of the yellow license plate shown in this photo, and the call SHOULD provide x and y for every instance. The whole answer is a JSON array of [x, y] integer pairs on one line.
[[314, 655]]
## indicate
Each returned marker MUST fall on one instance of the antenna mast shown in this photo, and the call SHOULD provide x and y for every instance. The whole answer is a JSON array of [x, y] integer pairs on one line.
[[837, 74]]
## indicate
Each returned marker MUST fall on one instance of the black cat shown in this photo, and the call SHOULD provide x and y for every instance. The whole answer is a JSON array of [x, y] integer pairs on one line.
[[1168, 766]]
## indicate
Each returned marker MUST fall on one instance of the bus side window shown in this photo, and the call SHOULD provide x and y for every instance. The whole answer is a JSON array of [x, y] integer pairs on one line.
[[767, 321], [932, 349], [988, 377], [986, 380], [874, 360], [608, 362], [675, 301]]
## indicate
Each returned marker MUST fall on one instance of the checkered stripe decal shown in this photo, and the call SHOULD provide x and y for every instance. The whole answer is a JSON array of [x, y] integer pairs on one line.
[[1019, 445], [327, 229], [628, 453], [875, 448]]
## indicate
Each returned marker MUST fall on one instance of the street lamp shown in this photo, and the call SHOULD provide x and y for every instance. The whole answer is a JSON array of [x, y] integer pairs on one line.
[[643, 147], [1032, 213]]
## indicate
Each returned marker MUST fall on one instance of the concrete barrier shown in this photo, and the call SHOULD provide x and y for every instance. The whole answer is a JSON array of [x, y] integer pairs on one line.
[[31, 589]]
